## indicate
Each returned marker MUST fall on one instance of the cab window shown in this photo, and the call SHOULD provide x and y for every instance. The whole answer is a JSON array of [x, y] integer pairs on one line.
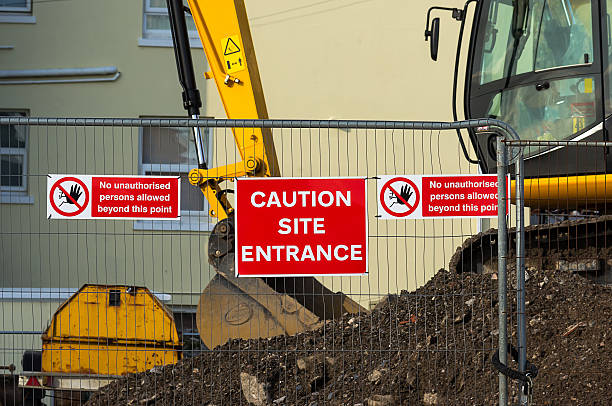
[[558, 33], [565, 107]]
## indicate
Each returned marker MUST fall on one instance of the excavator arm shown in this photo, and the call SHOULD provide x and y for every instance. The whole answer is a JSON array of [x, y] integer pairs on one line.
[[225, 35], [224, 31], [231, 307]]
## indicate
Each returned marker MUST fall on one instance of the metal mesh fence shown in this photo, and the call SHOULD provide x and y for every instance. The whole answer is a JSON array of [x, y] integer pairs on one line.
[[103, 298], [559, 270]]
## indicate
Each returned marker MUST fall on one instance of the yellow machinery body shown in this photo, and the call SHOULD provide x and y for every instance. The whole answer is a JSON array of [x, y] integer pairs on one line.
[[110, 330], [574, 192], [231, 307], [224, 31]]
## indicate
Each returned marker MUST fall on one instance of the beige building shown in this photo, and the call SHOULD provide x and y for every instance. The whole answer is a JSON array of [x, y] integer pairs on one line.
[[339, 59]]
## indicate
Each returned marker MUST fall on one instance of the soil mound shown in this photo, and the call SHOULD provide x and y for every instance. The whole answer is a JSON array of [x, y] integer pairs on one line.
[[432, 346]]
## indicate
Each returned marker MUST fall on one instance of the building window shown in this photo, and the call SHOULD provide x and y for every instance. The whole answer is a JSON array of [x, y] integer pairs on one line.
[[156, 24], [16, 6], [171, 152], [13, 154]]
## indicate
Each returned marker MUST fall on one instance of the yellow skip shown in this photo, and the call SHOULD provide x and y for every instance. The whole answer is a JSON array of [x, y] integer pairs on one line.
[[110, 330]]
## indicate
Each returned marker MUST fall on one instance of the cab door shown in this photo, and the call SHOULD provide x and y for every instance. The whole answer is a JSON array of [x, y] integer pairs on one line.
[[547, 82]]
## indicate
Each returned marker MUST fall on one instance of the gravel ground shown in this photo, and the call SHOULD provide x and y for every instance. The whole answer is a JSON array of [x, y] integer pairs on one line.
[[431, 346]]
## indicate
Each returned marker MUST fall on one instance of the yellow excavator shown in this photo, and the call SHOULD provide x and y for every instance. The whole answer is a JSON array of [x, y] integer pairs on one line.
[[543, 66], [230, 307]]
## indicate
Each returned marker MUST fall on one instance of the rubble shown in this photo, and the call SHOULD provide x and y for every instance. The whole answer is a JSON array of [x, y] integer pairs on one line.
[[411, 350], [253, 391]]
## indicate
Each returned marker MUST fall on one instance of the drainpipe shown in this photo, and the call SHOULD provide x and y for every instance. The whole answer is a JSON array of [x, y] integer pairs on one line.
[[61, 72]]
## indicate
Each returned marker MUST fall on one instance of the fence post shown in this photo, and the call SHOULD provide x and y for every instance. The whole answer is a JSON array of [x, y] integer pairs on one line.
[[502, 252], [520, 273]]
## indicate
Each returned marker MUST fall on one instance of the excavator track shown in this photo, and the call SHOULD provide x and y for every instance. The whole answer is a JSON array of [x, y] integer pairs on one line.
[[576, 245]]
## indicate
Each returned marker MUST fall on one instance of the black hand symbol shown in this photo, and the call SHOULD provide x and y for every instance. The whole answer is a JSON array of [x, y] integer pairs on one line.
[[75, 194], [405, 193]]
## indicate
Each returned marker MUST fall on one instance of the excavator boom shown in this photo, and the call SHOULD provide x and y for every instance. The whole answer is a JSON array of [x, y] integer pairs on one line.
[[230, 307], [225, 35]]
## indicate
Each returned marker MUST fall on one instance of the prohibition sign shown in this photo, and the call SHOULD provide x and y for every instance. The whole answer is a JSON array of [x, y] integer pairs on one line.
[[58, 185], [387, 187]]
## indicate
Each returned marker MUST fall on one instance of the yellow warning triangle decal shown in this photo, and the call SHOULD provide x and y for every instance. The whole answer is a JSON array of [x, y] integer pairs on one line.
[[230, 47]]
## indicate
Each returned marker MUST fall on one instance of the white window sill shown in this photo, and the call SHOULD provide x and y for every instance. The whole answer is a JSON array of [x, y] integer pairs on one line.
[[15, 198], [165, 42], [186, 223], [52, 294], [17, 19]]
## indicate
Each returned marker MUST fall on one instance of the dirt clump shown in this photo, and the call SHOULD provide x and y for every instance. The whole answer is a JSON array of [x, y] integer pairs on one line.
[[432, 346]]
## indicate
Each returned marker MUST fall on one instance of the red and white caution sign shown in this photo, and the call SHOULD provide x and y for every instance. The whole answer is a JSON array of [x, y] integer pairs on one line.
[[113, 197], [437, 196], [399, 197], [68, 197], [301, 226]]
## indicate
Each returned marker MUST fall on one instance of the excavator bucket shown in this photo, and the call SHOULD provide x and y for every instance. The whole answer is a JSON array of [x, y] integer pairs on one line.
[[246, 308]]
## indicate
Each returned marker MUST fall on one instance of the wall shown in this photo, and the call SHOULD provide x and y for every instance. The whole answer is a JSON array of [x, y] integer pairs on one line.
[[339, 59], [88, 34], [350, 60]]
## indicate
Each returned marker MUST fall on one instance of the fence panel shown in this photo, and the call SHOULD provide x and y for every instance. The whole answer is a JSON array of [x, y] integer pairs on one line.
[[425, 331], [560, 271]]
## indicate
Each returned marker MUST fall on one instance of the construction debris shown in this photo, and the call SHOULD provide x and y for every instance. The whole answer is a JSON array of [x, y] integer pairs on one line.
[[574, 327], [443, 357], [253, 391]]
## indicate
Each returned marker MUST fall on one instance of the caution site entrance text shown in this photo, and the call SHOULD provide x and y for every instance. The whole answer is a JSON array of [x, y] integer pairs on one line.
[[294, 226], [113, 197]]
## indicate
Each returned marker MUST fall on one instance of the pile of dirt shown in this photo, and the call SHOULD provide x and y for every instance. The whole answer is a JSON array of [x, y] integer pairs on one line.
[[432, 346]]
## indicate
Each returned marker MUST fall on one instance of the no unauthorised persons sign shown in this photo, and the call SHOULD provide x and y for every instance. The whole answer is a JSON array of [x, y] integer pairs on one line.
[[437, 196], [301, 226], [113, 197]]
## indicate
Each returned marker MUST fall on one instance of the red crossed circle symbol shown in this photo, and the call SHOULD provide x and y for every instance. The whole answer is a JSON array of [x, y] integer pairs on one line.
[[58, 185], [411, 208]]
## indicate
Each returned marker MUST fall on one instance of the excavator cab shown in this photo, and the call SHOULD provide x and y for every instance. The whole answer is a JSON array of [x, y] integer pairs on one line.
[[543, 67]]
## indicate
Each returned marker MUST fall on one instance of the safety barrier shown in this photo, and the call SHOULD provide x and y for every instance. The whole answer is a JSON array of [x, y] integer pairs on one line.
[[558, 260], [114, 301]]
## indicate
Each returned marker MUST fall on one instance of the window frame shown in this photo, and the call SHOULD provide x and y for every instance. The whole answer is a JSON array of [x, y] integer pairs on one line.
[[152, 34], [17, 10], [477, 97], [190, 220], [473, 88], [17, 151]]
